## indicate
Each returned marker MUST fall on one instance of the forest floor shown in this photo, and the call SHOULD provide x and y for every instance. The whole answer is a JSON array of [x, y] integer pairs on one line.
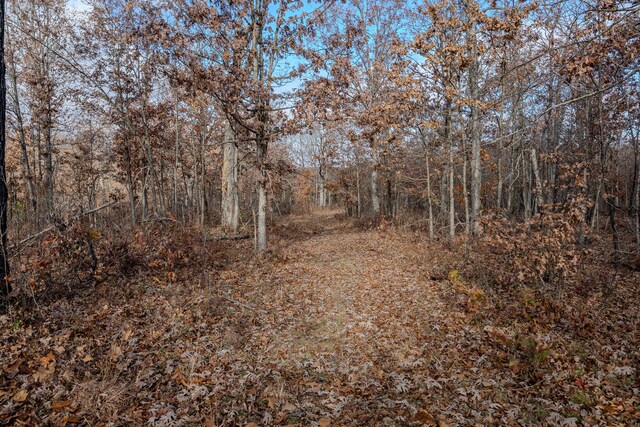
[[340, 326]]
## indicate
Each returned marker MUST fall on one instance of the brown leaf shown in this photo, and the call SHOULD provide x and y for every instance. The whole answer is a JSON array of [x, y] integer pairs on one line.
[[425, 417], [115, 352], [46, 360], [20, 396], [58, 405], [324, 422], [72, 419]]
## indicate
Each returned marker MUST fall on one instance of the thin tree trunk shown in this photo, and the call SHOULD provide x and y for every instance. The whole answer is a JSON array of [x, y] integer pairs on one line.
[[130, 186], [5, 286], [176, 164], [262, 198], [635, 210], [511, 190], [429, 195], [230, 208], [22, 137], [449, 142], [476, 172], [465, 193], [203, 186], [359, 196], [322, 202], [375, 198], [500, 156], [538, 183], [526, 188], [49, 161]]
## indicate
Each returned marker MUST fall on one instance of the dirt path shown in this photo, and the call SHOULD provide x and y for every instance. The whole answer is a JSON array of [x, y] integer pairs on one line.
[[356, 292], [354, 324]]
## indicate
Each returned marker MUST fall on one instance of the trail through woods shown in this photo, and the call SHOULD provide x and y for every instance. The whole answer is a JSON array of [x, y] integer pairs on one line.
[[340, 327]]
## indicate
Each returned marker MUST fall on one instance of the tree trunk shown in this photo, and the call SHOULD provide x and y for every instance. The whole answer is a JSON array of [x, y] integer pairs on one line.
[[359, 196], [230, 208], [130, 186], [635, 211], [22, 137], [526, 188], [5, 286], [449, 142], [375, 200], [538, 183], [500, 157], [262, 198], [49, 162], [429, 195], [465, 193], [322, 195], [176, 163], [476, 173]]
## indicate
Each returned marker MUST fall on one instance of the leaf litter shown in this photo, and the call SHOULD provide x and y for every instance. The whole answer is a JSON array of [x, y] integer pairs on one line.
[[340, 326]]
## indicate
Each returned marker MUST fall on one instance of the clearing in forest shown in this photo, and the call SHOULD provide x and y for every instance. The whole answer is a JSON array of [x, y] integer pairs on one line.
[[341, 326]]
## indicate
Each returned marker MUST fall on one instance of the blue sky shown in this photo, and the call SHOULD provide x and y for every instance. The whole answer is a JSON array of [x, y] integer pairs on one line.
[[78, 5]]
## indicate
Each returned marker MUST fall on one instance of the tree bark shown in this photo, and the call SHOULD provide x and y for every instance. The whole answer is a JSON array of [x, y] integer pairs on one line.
[[322, 195], [131, 191], [230, 208], [476, 172], [5, 286], [262, 199], [375, 197], [449, 142], [429, 195], [465, 192], [635, 206], [538, 183], [358, 195], [375, 200], [21, 135], [176, 163]]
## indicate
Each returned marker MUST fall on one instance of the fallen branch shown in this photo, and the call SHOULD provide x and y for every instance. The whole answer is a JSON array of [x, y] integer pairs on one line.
[[53, 227], [231, 237], [161, 220]]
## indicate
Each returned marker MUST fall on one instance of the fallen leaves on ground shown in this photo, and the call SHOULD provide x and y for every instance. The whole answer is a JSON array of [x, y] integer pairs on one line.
[[340, 327]]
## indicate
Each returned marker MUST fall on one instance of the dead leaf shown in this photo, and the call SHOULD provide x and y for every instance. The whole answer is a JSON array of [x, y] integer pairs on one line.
[[43, 374], [47, 360], [115, 352], [425, 417], [20, 396], [87, 358], [324, 422], [58, 405], [72, 419]]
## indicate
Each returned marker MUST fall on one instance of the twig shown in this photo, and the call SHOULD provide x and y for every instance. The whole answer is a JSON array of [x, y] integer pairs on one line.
[[256, 310]]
